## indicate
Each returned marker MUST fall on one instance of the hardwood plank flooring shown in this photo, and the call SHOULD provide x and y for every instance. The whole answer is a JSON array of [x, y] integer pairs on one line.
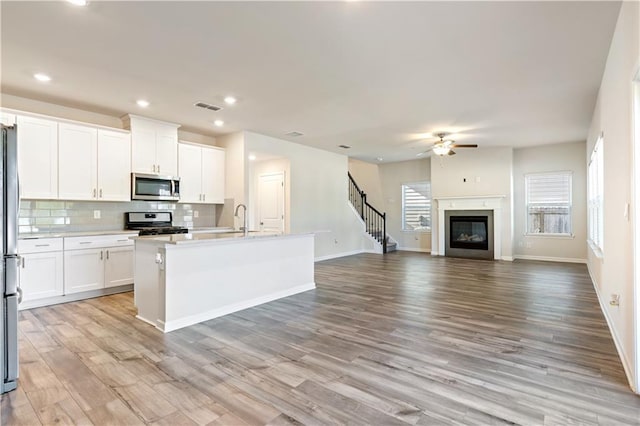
[[404, 338]]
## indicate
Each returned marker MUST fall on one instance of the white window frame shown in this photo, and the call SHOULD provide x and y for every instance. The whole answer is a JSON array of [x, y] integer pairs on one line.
[[430, 206], [526, 207], [595, 197]]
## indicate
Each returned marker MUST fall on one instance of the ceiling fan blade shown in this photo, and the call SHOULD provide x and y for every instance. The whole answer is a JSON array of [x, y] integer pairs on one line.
[[451, 152], [468, 145]]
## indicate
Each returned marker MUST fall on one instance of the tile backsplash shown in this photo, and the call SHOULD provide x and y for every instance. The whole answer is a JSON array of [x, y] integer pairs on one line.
[[44, 216]]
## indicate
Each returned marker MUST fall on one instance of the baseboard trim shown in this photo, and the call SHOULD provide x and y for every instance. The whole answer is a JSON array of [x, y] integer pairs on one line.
[[74, 297], [418, 250], [550, 259], [176, 324], [626, 365], [343, 254], [507, 258]]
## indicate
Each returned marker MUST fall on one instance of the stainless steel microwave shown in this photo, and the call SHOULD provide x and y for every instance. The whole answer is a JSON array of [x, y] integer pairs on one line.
[[154, 187]]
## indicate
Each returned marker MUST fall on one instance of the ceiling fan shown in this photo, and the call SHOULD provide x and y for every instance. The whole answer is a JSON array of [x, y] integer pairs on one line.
[[445, 147]]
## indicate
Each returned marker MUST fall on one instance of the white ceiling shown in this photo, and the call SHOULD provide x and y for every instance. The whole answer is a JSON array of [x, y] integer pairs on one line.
[[373, 75]]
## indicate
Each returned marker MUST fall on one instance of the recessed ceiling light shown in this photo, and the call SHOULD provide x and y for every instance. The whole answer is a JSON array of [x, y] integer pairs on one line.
[[218, 123], [379, 158], [230, 100], [142, 103], [252, 157], [78, 2], [42, 77]]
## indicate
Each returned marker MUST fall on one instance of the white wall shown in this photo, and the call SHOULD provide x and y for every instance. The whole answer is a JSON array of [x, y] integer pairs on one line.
[[234, 188], [367, 176], [487, 171], [393, 176], [613, 273], [319, 194], [551, 158]]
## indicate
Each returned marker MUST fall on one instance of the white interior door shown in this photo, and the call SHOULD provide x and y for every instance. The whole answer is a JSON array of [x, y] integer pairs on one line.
[[271, 201]]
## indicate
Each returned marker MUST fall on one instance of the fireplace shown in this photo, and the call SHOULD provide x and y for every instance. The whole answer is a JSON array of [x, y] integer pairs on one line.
[[469, 233]]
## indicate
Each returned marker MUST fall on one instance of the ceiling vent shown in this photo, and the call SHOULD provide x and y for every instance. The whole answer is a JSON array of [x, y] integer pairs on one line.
[[344, 146], [294, 134], [207, 106]]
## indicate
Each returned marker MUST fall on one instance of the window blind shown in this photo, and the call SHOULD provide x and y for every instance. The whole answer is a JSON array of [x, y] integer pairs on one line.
[[416, 206], [548, 203]]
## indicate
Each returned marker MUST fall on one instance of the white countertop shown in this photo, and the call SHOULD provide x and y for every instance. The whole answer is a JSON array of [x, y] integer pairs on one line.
[[211, 237], [73, 234]]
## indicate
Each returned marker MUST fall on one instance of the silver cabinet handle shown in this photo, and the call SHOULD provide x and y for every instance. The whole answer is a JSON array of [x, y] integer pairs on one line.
[[101, 254], [22, 261], [107, 254], [85, 242], [19, 295], [154, 168], [42, 245], [100, 192], [94, 193], [158, 168], [204, 197], [122, 241]]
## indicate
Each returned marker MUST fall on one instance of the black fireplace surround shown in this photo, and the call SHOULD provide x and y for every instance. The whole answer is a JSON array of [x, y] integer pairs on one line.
[[468, 232]]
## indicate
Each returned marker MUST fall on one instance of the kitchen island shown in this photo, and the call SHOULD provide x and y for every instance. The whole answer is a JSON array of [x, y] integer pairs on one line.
[[185, 279]]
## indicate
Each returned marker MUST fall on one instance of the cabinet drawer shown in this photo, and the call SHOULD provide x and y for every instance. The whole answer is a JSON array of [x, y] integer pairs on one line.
[[39, 245], [97, 241]]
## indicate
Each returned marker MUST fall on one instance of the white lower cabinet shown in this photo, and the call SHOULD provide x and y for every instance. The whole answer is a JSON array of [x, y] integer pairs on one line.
[[93, 263], [41, 268], [118, 266]]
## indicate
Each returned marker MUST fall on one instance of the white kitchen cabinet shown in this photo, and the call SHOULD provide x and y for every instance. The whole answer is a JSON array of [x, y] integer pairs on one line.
[[83, 270], [213, 175], [77, 162], [201, 171], [118, 266], [7, 118], [154, 146], [114, 165], [93, 163], [96, 262], [37, 157], [41, 268]]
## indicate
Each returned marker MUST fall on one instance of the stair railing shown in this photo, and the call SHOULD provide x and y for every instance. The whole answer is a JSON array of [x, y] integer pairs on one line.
[[374, 221]]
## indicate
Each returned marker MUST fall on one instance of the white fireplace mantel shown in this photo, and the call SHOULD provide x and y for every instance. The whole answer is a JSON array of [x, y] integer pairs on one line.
[[473, 202]]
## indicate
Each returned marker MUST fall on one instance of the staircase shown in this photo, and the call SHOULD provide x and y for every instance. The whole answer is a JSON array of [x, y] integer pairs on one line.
[[375, 223]]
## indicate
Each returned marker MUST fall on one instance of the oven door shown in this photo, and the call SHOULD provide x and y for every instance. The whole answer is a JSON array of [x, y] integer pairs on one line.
[[154, 187]]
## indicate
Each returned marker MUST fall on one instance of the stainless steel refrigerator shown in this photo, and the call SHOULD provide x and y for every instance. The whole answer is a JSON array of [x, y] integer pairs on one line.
[[9, 278]]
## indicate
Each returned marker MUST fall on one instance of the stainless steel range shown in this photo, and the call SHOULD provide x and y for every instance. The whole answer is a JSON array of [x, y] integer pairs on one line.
[[152, 223]]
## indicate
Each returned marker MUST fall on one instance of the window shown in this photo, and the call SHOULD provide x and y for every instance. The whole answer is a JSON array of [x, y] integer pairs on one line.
[[416, 206], [549, 203], [595, 192]]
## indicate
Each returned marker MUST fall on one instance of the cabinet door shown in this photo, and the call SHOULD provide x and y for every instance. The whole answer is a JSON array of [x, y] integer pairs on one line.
[[118, 266], [41, 275], [167, 150], [143, 149], [83, 270], [38, 157], [213, 175], [77, 162], [114, 166], [190, 173], [7, 119]]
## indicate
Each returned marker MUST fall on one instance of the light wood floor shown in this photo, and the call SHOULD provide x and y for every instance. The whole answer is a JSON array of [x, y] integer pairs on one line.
[[399, 339]]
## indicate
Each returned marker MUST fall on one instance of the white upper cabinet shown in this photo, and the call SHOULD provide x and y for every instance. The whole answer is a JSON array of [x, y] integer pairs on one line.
[[154, 146], [114, 165], [93, 163], [7, 119], [78, 162], [37, 157], [190, 169], [213, 175], [201, 174]]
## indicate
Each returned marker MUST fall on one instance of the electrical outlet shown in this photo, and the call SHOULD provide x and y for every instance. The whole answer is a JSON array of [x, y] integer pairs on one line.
[[477, 179], [96, 214], [196, 213], [335, 241], [615, 300]]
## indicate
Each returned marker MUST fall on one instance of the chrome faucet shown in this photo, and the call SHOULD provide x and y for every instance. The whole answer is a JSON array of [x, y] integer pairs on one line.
[[244, 218]]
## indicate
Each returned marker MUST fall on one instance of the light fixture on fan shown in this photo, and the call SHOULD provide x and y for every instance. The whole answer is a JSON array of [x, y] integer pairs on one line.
[[444, 147]]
